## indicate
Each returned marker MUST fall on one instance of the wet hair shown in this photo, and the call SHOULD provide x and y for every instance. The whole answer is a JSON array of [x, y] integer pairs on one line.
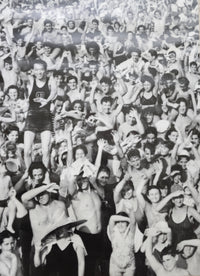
[[72, 78], [72, 49], [105, 80], [77, 101], [82, 147], [5, 235], [152, 188], [47, 21], [169, 250], [148, 79], [123, 214], [35, 166], [94, 45], [150, 147], [128, 185], [183, 100], [106, 100], [183, 80], [95, 21], [169, 132], [153, 53], [104, 169], [134, 50], [11, 128], [41, 62], [151, 130], [8, 60], [133, 153]]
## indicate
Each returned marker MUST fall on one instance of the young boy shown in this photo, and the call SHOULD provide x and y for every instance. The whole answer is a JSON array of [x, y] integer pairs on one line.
[[7, 215]]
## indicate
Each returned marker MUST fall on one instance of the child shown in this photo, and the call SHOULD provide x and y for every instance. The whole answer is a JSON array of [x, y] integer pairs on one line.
[[7, 215], [121, 232]]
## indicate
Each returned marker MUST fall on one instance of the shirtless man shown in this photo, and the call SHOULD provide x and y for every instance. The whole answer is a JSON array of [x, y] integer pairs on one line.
[[46, 215], [86, 204], [169, 259], [8, 260], [190, 251], [9, 72]]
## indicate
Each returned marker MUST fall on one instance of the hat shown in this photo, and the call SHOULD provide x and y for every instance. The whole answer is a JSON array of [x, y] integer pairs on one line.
[[184, 153], [11, 166], [162, 126], [176, 187], [162, 227]]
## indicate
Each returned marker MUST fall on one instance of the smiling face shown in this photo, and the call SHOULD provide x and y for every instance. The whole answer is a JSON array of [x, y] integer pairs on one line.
[[122, 226], [154, 195], [178, 201], [147, 86], [103, 178], [169, 262], [173, 136], [38, 176], [79, 154], [127, 193], [13, 94], [13, 136], [43, 198], [39, 71], [135, 161]]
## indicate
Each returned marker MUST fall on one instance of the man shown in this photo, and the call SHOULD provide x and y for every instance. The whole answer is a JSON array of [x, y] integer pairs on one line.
[[9, 261], [169, 259], [132, 122], [41, 92], [46, 215], [86, 204]]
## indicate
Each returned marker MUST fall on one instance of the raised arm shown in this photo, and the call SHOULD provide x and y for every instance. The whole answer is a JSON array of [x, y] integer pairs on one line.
[[155, 265], [165, 200], [119, 187]]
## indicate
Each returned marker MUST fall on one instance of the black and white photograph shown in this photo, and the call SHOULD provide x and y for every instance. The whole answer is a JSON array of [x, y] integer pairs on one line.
[[99, 138]]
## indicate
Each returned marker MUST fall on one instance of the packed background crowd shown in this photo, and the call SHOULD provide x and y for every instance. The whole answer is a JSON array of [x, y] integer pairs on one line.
[[99, 138]]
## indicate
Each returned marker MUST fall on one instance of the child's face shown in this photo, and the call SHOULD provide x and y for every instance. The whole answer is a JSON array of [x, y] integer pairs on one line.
[[135, 161], [154, 195], [183, 162], [13, 136], [13, 94], [173, 136], [164, 150], [77, 106], [122, 225], [195, 140], [127, 193], [148, 154], [79, 154], [164, 192], [151, 138]]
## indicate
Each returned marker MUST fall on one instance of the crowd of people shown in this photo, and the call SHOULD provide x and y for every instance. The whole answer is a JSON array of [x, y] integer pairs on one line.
[[99, 138]]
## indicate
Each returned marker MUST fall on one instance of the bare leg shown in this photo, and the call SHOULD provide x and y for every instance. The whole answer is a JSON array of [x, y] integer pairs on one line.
[[11, 215], [46, 143], [29, 137]]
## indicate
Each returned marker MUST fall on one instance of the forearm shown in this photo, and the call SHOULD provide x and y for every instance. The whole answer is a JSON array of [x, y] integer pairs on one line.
[[33, 193]]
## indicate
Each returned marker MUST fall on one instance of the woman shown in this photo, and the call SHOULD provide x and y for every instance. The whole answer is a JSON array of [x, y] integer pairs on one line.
[[145, 95], [180, 217]]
